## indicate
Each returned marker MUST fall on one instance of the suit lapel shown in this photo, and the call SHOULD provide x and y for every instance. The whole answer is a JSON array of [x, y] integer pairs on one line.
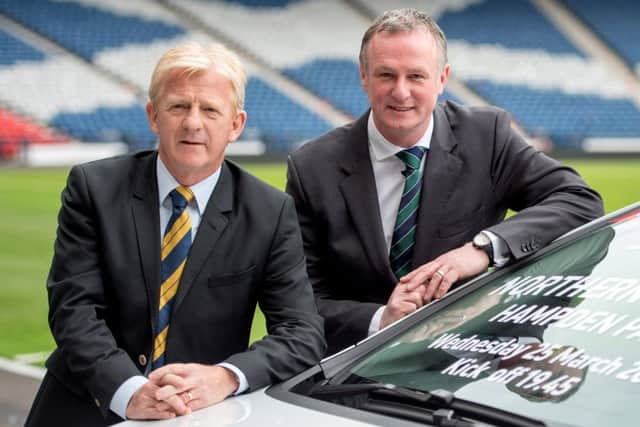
[[439, 179], [360, 196], [146, 220], [213, 223]]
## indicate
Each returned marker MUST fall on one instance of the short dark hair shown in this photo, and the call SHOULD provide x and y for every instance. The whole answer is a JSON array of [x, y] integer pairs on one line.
[[404, 20]]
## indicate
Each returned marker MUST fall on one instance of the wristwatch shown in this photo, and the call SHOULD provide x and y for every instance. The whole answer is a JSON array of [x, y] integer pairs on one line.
[[481, 241]]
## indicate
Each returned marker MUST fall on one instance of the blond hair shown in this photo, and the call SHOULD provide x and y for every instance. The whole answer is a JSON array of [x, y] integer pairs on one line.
[[191, 58], [404, 20]]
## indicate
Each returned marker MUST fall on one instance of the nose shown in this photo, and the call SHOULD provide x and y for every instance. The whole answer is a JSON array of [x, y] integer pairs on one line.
[[400, 90], [193, 120]]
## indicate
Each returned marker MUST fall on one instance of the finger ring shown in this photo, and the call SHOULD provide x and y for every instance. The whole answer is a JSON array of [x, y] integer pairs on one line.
[[190, 396], [440, 273]]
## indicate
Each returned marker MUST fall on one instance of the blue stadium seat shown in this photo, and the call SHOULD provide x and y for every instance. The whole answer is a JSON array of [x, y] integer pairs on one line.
[[567, 119], [14, 50], [337, 81], [85, 30], [512, 24], [127, 124], [114, 38], [283, 124], [617, 22]]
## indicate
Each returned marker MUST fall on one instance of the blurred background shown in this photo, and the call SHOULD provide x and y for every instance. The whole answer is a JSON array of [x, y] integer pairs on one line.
[[74, 75]]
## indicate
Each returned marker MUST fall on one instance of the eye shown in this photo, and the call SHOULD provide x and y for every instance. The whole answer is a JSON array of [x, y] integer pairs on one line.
[[416, 77], [385, 75], [178, 107], [211, 111]]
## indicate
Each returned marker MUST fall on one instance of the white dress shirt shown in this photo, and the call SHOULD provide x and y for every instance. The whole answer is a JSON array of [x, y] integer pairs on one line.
[[387, 171], [202, 192]]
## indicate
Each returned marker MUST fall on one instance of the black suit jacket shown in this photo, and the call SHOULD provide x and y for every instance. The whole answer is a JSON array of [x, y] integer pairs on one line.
[[477, 169], [105, 278]]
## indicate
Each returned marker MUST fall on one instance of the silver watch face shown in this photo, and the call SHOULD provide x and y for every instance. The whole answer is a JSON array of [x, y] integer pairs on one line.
[[481, 240]]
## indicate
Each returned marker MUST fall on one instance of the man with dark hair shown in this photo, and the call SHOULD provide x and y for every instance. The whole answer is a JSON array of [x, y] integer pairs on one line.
[[411, 198]]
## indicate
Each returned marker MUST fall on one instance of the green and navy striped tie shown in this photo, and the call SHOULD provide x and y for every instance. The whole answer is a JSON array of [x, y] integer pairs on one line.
[[404, 232], [175, 248]]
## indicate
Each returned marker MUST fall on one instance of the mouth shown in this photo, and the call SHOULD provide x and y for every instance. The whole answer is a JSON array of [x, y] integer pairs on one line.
[[189, 142], [399, 109]]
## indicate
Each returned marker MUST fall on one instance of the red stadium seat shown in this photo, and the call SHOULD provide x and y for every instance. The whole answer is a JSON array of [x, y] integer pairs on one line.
[[16, 130]]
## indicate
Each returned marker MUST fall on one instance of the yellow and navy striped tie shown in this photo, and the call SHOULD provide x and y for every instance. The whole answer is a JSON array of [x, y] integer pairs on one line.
[[404, 231], [175, 248]]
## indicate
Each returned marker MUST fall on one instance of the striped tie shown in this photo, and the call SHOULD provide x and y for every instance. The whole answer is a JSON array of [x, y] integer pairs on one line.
[[175, 248], [405, 228]]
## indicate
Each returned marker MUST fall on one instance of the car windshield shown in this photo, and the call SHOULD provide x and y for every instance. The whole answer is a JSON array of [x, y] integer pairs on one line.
[[557, 339]]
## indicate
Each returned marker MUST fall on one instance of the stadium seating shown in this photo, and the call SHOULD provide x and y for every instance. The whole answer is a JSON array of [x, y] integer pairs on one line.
[[318, 50], [54, 88], [277, 119], [508, 23], [83, 29], [616, 22], [514, 57], [335, 80], [509, 53], [584, 116], [16, 131], [14, 50], [143, 31]]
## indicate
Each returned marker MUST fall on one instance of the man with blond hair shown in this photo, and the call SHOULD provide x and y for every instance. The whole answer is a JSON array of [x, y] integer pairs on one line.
[[411, 198], [160, 260]]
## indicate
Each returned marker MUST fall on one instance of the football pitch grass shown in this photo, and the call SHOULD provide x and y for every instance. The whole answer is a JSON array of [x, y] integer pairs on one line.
[[29, 203]]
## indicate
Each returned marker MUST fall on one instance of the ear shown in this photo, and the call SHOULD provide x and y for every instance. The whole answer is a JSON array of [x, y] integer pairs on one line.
[[444, 76], [237, 126], [363, 79], [152, 117]]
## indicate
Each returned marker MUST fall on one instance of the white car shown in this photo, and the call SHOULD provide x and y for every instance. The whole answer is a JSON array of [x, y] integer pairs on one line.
[[552, 340]]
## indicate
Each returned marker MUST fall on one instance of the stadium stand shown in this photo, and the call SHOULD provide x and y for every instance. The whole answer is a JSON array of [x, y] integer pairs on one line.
[[318, 50], [53, 88], [14, 50], [16, 131], [85, 65], [84, 29], [508, 23], [144, 30], [616, 22], [514, 57], [508, 53]]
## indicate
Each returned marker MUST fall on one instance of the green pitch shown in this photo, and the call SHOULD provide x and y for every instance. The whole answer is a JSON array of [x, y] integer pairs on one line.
[[30, 200]]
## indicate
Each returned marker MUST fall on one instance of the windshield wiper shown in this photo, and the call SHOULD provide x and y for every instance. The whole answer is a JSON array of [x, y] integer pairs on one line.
[[444, 409]]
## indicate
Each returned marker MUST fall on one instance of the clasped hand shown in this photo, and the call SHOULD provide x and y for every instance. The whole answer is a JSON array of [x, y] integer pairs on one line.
[[179, 388], [432, 281]]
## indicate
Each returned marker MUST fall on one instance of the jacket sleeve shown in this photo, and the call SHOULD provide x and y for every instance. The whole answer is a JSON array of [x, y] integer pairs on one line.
[[346, 320], [550, 199], [295, 339], [77, 300]]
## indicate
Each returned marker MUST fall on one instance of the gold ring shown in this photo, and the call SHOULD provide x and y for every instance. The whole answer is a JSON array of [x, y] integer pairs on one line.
[[440, 273]]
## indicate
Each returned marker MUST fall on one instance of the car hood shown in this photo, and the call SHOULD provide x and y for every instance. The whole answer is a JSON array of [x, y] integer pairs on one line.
[[253, 409]]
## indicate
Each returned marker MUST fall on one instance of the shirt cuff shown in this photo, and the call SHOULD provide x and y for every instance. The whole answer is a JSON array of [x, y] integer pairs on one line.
[[501, 253], [124, 393], [243, 384], [374, 325]]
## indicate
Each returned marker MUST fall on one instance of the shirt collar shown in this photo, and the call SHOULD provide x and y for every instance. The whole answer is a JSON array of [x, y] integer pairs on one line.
[[201, 191], [383, 149]]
